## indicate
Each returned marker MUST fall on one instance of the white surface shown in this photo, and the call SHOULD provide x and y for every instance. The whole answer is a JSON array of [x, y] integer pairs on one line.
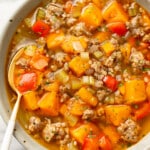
[[6, 9]]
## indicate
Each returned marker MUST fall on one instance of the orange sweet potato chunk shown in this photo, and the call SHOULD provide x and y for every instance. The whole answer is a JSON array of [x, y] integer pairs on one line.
[[54, 40], [87, 96], [73, 44], [91, 15], [113, 12], [49, 104], [117, 114], [78, 65], [30, 100], [135, 91], [80, 132]]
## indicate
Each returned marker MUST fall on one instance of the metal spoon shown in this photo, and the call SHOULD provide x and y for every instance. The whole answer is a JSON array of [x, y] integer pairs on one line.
[[11, 124]]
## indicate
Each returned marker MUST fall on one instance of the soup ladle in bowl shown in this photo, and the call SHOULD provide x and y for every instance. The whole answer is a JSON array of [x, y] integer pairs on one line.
[[11, 124]]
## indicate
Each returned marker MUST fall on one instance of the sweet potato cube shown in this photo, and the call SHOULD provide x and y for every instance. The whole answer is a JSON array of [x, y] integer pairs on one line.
[[71, 119], [111, 132], [117, 114], [39, 62], [73, 44], [80, 132], [102, 36], [54, 40], [135, 91], [113, 12], [30, 100], [78, 65], [107, 47], [77, 108], [91, 15], [87, 96], [52, 87], [49, 104]]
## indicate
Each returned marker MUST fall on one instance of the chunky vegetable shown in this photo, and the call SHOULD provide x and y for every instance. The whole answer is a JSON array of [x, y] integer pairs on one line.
[[41, 28], [54, 40], [78, 65], [110, 82], [117, 27], [91, 15], [49, 104], [113, 12], [117, 114], [135, 91], [30, 100], [87, 96], [82, 131], [142, 111], [27, 82]]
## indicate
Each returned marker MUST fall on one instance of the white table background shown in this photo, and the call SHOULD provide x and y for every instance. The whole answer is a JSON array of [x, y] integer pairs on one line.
[[6, 9]]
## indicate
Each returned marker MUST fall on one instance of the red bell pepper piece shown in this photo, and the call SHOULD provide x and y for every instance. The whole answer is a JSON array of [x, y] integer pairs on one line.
[[110, 82], [118, 28], [142, 111], [27, 81], [41, 28]]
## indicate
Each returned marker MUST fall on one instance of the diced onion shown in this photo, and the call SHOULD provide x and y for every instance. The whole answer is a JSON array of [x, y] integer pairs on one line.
[[30, 50], [89, 80], [85, 55], [78, 46], [62, 76]]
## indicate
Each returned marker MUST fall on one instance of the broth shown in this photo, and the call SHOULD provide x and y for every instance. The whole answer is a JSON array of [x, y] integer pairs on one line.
[[86, 78]]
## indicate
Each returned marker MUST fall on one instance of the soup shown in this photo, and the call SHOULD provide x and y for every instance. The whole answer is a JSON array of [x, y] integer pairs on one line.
[[85, 76]]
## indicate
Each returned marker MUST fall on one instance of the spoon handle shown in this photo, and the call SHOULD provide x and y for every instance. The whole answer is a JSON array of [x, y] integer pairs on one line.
[[11, 124]]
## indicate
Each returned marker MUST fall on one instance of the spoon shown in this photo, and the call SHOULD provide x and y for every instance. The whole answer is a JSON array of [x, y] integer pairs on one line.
[[11, 124]]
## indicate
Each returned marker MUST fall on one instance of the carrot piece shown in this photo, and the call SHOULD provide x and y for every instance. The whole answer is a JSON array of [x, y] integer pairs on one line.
[[49, 104], [117, 114], [80, 132], [102, 36], [87, 96], [41, 28], [30, 100], [113, 12], [54, 40], [78, 65], [91, 15], [73, 44], [135, 91], [39, 61]]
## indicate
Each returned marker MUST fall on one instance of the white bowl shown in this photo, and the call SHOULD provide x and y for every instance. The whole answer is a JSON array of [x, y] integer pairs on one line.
[[21, 9]]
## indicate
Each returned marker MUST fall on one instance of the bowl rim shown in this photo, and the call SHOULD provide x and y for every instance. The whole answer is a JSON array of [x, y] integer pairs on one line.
[[19, 13]]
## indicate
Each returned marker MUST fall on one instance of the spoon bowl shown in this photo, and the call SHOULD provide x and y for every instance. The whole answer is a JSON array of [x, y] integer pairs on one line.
[[11, 124]]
